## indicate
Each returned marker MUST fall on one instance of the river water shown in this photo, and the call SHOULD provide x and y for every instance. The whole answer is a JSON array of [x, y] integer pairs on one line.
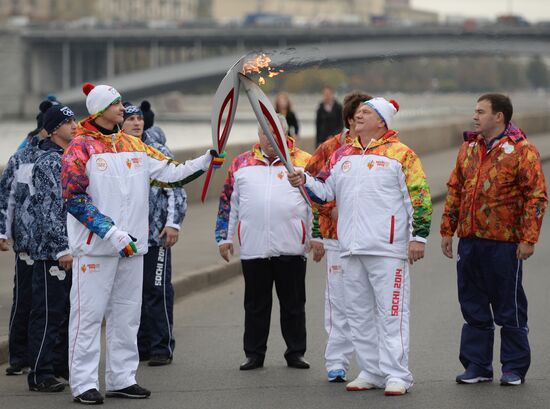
[[189, 127]]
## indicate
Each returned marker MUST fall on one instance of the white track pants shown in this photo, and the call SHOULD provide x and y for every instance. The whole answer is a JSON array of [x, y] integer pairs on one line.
[[109, 287], [339, 348], [377, 291]]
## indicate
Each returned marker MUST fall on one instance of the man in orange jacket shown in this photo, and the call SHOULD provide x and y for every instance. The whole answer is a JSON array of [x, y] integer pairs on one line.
[[496, 201]]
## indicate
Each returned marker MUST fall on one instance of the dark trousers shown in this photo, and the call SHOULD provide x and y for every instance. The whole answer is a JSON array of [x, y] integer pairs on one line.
[[49, 320], [20, 310], [490, 291], [288, 273], [155, 336]]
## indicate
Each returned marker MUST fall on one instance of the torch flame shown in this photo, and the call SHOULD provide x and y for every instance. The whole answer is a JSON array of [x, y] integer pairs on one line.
[[257, 65]]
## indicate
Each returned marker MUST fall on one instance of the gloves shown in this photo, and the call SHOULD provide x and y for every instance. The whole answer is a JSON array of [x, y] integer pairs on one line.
[[217, 159], [123, 243]]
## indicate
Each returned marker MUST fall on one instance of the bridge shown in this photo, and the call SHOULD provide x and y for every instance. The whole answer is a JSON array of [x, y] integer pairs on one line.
[[143, 62]]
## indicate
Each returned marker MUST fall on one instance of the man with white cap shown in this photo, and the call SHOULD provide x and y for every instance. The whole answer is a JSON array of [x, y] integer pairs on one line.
[[105, 176], [384, 216]]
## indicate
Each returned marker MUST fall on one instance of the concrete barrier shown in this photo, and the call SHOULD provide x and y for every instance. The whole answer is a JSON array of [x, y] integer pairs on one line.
[[422, 139]]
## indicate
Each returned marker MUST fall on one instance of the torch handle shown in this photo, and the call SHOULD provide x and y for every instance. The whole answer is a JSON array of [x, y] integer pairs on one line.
[[207, 181]]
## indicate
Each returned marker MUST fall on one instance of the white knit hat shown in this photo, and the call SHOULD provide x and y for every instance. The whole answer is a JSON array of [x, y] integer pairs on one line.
[[99, 98], [384, 108]]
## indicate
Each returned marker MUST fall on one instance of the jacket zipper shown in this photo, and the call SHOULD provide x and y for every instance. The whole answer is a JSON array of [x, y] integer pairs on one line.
[[113, 136], [472, 213]]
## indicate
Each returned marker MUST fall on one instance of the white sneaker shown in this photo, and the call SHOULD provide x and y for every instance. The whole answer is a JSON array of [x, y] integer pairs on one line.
[[359, 384], [395, 388]]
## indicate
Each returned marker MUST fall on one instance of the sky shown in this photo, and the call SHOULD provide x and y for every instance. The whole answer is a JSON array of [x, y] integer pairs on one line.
[[532, 10]]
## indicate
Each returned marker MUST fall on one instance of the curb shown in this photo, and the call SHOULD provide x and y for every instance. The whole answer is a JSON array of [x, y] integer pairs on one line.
[[211, 276]]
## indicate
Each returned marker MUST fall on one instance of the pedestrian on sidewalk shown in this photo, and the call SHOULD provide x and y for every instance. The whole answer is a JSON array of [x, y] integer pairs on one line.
[[495, 202], [384, 216], [328, 119], [274, 226], [167, 209], [51, 277], [17, 225], [106, 176], [283, 106], [339, 349]]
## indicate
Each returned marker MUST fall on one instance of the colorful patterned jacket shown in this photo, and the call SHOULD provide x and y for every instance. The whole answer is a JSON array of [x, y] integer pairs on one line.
[[49, 207], [257, 203], [382, 194], [499, 194], [17, 218], [106, 180], [167, 207], [320, 159]]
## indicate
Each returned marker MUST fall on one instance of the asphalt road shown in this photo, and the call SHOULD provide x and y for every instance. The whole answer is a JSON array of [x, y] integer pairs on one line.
[[209, 328]]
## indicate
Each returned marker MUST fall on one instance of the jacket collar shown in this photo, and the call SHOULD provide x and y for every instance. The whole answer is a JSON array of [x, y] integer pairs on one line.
[[512, 132], [389, 137]]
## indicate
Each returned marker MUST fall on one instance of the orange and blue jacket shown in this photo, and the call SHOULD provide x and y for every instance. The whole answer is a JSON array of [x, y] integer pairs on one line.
[[320, 159], [496, 194]]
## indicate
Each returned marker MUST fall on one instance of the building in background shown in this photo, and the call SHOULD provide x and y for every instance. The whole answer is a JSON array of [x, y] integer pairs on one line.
[[104, 10], [303, 12]]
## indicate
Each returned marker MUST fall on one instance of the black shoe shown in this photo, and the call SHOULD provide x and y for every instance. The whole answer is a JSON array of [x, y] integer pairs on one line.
[[14, 370], [143, 358], [297, 362], [160, 360], [251, 363], [90, 397], [49, 385], [62, 374], [131, 392]]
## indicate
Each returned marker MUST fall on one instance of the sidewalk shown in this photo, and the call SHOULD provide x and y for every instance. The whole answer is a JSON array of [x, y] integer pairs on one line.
[[196, 263]]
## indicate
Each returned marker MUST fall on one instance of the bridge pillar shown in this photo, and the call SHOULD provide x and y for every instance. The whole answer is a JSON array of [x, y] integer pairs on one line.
[[154, 54], [66, 66], [110, 60]]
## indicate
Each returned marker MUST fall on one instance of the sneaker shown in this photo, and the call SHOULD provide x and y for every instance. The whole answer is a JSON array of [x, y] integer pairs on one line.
[[337, 375], [511, 379], [159, 360], [14, 370], [90, 397], [395, 389], [470, 376], [131, 392], [360, 384], [48, 385]]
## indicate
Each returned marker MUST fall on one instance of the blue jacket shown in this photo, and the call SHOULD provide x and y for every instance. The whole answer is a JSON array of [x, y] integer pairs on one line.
[[167, 207], [17, 219], [51, 240]]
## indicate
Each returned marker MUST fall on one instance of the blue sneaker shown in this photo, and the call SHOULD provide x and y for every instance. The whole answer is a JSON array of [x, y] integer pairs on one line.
[[471, 375], [511, 379], [337, 375]]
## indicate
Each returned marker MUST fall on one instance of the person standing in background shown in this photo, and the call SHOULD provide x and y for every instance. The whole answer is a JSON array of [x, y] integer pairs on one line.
[[328, 121], [283, 106]]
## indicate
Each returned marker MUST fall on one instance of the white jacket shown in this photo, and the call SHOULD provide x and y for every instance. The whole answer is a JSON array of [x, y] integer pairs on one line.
[[382, 196], [269, 217], [106, 180]]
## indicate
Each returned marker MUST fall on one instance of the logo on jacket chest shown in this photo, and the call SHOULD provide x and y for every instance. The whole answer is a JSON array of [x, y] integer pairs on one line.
[[377, 164], [89, 268], [133, 163], [281, 175], [346, 166], [101, 164]]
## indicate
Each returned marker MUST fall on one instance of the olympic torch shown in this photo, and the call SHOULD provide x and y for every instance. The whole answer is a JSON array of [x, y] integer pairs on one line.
[[225, 100]]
